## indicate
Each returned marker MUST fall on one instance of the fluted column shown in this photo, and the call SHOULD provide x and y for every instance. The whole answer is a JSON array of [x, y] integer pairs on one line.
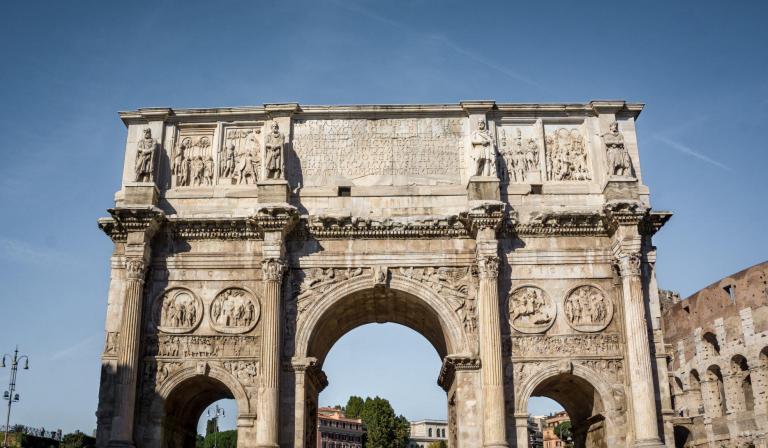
[[128, 353], [272, 270], [494, 423], [638, 352]]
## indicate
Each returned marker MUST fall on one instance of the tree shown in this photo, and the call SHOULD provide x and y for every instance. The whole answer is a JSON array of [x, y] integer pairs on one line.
[[77, 440], [438, 444], [354, 407], [224, 439], [383, 428], [563, 432]]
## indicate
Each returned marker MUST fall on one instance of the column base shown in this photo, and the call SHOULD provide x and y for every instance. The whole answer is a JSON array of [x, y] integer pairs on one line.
[[496, 445], [270, 445]]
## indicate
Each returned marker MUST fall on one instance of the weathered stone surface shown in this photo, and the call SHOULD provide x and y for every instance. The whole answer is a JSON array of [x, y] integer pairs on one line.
[[510, 236]]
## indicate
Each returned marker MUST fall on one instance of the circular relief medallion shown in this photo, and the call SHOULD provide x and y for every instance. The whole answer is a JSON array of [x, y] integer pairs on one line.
[[531, 310], [588, 309], [234, 310], [178, 311]]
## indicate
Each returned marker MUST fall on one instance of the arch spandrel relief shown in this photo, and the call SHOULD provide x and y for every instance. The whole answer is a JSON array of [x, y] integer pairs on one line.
[[588, 309], [178, 311], [234, 310], [531, 310]]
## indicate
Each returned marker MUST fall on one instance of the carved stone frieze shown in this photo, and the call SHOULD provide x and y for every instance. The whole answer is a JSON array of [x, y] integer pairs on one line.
[[612, 368], [531, 310], [193, 164], [420, 150], [214, 229], [316, 281], [570, 345], [571, 223], [186, 346], [588, 309], [567, 157], [335, 227], [246, 372], [520, 157], [177, 310], [234, 310], [240, 155]]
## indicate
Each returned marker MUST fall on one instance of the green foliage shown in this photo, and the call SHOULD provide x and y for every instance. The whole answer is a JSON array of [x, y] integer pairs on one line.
[[563, 431], [224, 439], [438, 444], [77, 439], [384, 429], [354, 407]]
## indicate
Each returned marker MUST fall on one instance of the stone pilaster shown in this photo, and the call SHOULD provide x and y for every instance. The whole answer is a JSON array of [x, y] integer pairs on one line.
[[138, 225], [275, 221], [638, 352]]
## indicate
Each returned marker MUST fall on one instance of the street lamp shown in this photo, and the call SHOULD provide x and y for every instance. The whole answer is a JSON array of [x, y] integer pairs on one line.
[[10, 394], [214, 414]]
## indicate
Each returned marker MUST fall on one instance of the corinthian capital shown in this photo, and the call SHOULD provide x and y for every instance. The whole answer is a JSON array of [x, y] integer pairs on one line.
[[488, 267], [629, 264], [135, 268], [273, 269]]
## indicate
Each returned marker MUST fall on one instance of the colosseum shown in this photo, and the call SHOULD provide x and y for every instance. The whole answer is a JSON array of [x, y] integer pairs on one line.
[[718, 365]]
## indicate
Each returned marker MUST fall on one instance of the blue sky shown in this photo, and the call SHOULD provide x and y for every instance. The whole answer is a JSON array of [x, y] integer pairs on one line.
[[67, 67]]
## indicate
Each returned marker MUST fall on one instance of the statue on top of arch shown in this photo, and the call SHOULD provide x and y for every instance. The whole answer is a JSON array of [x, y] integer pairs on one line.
[[619, 161]]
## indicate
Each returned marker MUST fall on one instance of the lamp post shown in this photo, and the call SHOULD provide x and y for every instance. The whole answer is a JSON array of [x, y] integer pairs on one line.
[[10, 394], [214, 414]]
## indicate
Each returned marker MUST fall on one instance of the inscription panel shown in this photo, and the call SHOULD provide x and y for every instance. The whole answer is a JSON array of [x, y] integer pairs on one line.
[[420, 151]]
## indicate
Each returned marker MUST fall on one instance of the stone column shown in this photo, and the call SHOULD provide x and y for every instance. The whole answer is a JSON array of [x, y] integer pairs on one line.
[[521, 427], [272, 270], [494, 421], [275, 221], [638, 352], [141, 225]]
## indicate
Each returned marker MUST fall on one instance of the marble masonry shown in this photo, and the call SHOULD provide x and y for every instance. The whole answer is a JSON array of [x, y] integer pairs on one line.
[[717, 340], [516, 238]]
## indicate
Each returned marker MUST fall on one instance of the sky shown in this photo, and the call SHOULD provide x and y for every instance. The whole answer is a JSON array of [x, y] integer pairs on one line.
[[66, 68]]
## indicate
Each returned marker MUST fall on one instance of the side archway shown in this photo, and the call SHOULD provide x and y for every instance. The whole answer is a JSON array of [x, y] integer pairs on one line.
[[591, 403], [184, 395]]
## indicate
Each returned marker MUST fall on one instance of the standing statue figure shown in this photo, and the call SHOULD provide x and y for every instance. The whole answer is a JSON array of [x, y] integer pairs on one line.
[[181, 165], [145, 156], [619, 162], [273, 148], [228, 167], [482, 144]]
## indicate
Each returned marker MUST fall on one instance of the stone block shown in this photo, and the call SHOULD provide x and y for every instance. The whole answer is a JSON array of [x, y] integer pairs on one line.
[[620, 188], [141, 193], [482, 188], [273, 191]]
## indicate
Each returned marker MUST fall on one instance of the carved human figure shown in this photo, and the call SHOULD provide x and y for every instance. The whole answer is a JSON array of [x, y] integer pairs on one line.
[[208, 171], [531, 155], [228, 164], [178, 312], [198, 171], [234, 310], [181, 164], [588, 309], [619, 161], [530, 310], [482, 145], [247, 168], [145, 156], [566, 156], [273, 148]]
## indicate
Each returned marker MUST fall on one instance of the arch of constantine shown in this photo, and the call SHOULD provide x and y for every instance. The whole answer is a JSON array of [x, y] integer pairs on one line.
[[516, 238]]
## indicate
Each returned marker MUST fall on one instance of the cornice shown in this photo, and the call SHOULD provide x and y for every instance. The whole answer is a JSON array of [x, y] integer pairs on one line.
[[343, 227], [451, 364], [214, 228], [634, 213], [574, 223], [275, 218], [487, 215], [126, 220]]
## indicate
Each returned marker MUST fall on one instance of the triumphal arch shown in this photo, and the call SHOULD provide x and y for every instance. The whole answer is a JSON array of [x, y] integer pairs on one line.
[[516, 238]]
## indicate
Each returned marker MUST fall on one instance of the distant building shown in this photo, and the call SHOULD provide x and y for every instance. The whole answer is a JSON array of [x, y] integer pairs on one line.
[[336, 431], [536, 431], [550, 423], [425, 431]]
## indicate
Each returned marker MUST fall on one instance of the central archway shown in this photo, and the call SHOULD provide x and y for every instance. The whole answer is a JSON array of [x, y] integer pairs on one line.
[[358, 302]]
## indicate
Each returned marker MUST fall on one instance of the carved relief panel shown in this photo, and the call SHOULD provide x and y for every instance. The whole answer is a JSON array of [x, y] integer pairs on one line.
[[520, 149], [588, 309], [178, 310], [240, 154], [379, 151], [531, 310], [234, 310], [192, 160], [567, 154]]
